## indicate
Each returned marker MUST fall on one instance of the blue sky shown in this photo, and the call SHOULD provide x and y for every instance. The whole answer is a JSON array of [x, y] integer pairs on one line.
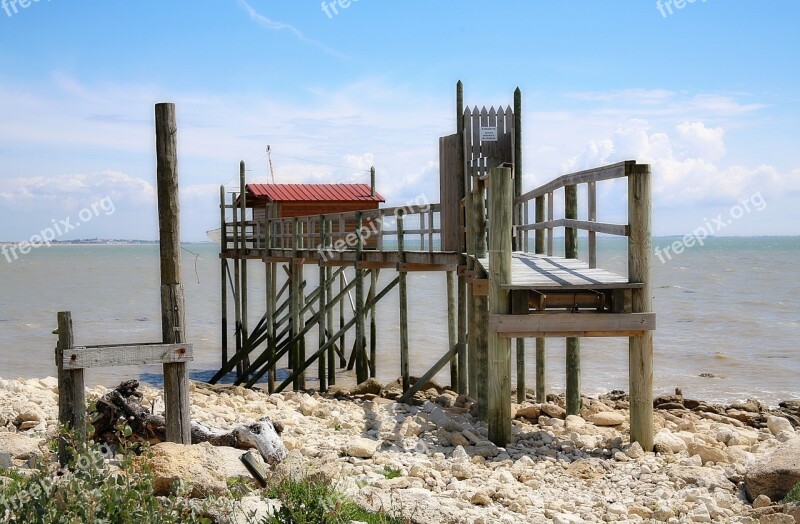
[[707, 94]]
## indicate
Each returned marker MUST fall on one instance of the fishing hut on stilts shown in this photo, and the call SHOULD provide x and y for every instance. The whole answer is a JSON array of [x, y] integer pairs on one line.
[[492, 242]]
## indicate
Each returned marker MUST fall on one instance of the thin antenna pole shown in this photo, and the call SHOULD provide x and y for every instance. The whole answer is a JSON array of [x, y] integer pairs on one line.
[[271, 170]]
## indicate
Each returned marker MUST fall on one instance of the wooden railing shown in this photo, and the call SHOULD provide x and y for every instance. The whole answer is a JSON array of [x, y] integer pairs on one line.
[[543, 198], [422, 231]]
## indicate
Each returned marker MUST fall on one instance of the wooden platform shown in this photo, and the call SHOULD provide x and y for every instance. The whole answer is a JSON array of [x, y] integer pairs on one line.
[[539, 272]]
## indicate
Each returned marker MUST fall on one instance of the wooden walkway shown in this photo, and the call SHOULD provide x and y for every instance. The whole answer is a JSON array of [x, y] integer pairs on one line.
[[539, 272]]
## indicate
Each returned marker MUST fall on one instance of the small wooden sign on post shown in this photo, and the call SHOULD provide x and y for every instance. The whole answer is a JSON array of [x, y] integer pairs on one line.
[[488, 134]]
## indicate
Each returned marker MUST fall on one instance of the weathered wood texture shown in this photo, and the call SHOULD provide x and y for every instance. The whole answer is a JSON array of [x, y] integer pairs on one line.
[[126, 355], [573, 360], [451, 191], [500, 209], [639, 268], [530, 271], [173, 317], [71, 389]]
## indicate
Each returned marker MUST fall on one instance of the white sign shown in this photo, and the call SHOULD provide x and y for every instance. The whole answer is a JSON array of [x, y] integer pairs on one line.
[[488, 134]]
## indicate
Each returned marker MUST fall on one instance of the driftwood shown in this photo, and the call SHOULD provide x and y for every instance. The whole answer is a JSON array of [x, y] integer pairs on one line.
[[124, 405]]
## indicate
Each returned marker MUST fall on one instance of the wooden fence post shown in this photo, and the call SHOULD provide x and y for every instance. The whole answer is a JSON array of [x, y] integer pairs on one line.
[[573, 343], [173, 317], [501, 198], [639, 267], [71, 393]]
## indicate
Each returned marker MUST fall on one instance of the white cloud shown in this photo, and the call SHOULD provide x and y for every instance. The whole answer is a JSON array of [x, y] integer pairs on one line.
[[273, 25]]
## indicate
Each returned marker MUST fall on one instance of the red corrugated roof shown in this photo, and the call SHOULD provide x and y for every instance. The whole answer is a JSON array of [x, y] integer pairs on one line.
[[314, 192]]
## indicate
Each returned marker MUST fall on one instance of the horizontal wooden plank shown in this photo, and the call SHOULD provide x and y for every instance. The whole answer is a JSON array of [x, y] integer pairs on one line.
[[598, 227], [135, 355], [571, 324], [598, 174], [530, 271]]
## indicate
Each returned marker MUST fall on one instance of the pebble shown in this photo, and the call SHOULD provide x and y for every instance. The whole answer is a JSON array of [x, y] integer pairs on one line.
[[565, 469]]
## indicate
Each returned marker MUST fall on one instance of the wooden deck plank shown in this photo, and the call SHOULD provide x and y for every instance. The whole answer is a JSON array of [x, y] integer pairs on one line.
[[530, 271]]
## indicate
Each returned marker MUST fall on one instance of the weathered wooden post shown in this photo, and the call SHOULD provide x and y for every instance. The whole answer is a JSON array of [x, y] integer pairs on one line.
[[501, 197], [243, 239], [323, 306], [464, 360], [404, 373], [71, 392], [373, 326], [362, 365], [573, 343], [481, 303], [541, 356], [329, 310], [223, 277], [639, 267], [519, 235], [173, 318], [452, 328]]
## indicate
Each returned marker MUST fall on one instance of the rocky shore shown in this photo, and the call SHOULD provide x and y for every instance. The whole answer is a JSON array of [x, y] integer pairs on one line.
[[432, 463]]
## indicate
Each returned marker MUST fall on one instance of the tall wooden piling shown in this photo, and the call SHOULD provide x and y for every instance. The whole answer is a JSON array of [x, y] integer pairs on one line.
[[404, 369], [373, 326], [462, 294], [295, 304], [501, 197], [518, 220], [452, 327], [243, 240], [541, 355], [639, 267], [362, 364], [573, 344], [323, 305], [329, 310], [173, 318], [71, 389], [480, 304], [223, 276]]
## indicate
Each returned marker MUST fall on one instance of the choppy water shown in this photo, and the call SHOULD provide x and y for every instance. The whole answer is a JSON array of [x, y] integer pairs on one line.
[[730, 308]]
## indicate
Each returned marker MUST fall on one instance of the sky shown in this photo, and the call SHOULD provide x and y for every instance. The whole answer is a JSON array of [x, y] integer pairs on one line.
[[705, 91]]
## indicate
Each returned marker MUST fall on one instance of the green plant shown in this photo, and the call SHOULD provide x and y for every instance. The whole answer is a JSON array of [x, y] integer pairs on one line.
[[793, 495], [92, 490], [392, 473], [316, 501]]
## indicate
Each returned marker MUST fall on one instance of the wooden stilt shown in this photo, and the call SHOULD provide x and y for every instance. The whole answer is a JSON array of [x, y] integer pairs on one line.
[[323, 317], [541, 355], [404, 365], [521, 387], [243, 240], [573, 344], [452, 328], [373, 328], [223, 277], [639, 264], [501, 198], [362, 366], [481, 313], [237, 304], [342, 321], [329, 311], [294, 305]]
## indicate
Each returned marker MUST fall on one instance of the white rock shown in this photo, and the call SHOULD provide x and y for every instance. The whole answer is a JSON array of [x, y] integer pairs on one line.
[[607, 418], [667, 442], [778, 424], [361, 448]]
